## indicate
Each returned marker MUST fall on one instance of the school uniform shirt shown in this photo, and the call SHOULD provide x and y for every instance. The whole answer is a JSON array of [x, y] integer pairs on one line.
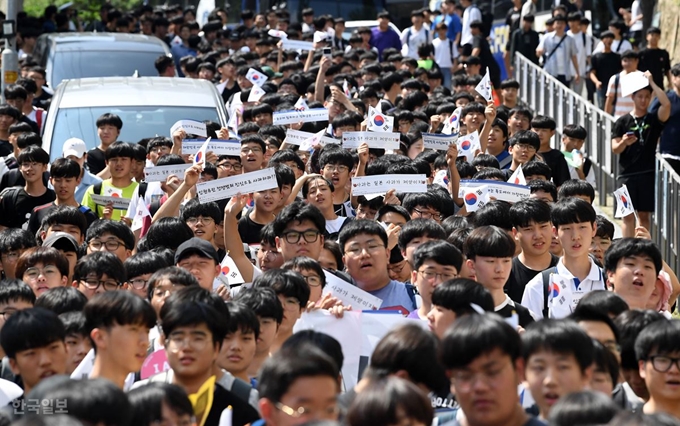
[[584, 48], [559, 61], [128, 191], [412, 39], [508, 308], [333, 226], [564, 291]]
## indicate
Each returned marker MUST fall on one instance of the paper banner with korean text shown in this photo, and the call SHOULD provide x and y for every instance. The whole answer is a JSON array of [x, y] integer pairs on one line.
[[140, 214], [245, 183], [474, 198], [484, 87], [503, 191], [191, 127], [119, 203], [380, 140], [378, 122], [256, 77], [297, 137], [380, 184], [439, 142], [291, 117], [289, 44], [256, 92], [518, 177], [351, 295], [468, 145], [624, 204], [161, 173], [216, 146]]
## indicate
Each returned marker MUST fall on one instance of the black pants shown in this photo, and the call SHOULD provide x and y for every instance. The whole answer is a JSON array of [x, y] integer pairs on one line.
[[563, 79]]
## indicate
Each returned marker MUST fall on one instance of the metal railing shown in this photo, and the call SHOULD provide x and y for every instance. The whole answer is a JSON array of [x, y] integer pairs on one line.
[[547, 96]]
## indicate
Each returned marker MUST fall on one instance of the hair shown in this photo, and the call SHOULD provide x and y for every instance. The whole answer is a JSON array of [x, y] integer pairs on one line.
[[590, 313], [604, 301], [15, 290], [13, 239], [441, 252], [74, 323], [10, 111], [144, 263], [33, 153], [387, 401], [328, 344], [115, 228], [525, 137], [64, 168], [192, 306], [112, 308], [525, 212], [424, 199], [332, 154], [147, 402], [109, 119], [605, 362], [626, 418], [576, 187], [474, 335], [174, 274], [572, 210], [558, 336], [459, 294], [27, 139], [488, 173], [44, 255], [486, 161], [286, 366], [30, 329], [242, 318], [584, 407], [543, 122], [263, 301], [100, 263], [418, 228], [194, 208], [605, 229], [495, 213], [62, 299], [285, 282], [661, 338], [304, 263], [537, 168], [65, 215], [298, 212], [169, 232], [489, 241], [305, 187], [543, 185], [575, 131], [629, 247], [361, 227], [120, 150]]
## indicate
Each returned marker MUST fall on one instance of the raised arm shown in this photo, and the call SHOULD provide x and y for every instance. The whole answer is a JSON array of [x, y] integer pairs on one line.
[[232, 239], [171, 206]]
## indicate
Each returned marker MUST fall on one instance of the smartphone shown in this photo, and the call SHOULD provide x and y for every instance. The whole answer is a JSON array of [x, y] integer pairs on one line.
[[327, 52], [630, 133]]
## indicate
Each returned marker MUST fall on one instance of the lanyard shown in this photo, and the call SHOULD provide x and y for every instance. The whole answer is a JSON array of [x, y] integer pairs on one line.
[[641, 127]]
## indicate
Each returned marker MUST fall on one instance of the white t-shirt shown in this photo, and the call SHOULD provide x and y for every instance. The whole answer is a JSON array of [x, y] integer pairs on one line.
[[618, 46], [442, 52], [635, 11], [410, 43], [153, 193], [582, 52], [471, 14]]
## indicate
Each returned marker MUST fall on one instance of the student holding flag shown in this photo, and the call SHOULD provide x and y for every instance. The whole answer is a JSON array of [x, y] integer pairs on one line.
[[635, 137]]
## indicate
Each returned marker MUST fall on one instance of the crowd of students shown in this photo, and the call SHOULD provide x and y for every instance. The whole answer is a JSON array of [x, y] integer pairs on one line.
[[524, 313]]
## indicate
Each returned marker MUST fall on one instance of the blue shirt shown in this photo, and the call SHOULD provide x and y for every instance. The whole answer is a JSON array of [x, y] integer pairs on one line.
[[453, 26], [178, 52], [381, 40], [395, 295], [670, 136], [88, 180]]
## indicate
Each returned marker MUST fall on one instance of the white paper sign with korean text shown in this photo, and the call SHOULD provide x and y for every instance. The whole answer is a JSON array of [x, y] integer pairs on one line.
[[468, 145], [297, 137], [161, 173], [380, 184], [439, 142], [119, 203], [216, 146], [379, 140], [246, 183], [351, 295], [291, 117], [297, 45], [503, 191], [191, 127]]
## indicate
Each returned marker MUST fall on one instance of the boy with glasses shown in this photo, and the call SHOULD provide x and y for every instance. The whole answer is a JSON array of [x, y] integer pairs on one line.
[[17, 203], [158, 147], [433, 263], [204, 220], [336, 165], [13, 242], [139, 268], [99, 272], [110, 236], [43, 268], [423, 206], [228, 165], [522, 146], [252, 153]]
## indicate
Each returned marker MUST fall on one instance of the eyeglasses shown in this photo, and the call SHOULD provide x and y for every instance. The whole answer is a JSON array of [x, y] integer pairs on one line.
[[293, 237], [371, 249], [160, 149], [397, 268], [525, 147], [8, 313], [296, 413], [110, 245], [431, 276], [253, 149], [30, 165], [664, 363], [335, 167], [428, 215], [229, 166], [291, 303], [92, 284], [195, 341], [139, 284], [312, 280], [11, 256], [48, 272], [204, 220]]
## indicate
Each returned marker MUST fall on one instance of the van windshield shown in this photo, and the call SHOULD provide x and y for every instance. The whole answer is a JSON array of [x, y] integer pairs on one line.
[[81, 64], [139, 122]]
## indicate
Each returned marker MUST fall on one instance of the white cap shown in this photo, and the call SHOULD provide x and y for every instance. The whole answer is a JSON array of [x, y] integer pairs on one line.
[[75, 147], [320, 36]]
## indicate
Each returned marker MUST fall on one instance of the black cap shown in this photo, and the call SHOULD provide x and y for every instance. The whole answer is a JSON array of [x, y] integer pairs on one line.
[[473, 60], [61, 241], [196, 246]]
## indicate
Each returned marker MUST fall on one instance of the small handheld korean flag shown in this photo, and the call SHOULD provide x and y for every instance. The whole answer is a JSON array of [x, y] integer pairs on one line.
[[233, 121], [255, 94], [345, 88], [518, 177], [475, 198], [378, 122], [230, 275], [301, 104], [309, 143], [624, 205], [199, 157], [484, 87], [441, 178], [452, 124], [468, 145], [256, 77], [140, 214]]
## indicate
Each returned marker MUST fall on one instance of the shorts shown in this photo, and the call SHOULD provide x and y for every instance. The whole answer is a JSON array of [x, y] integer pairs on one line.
[[641, 189]]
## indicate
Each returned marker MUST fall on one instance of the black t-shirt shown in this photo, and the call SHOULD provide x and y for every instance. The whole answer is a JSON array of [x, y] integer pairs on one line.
[[15, 178], [96, 160], [657, 62], [512, 18], [605, 66], [6, 148], [523, 314], [243, 412], [40, 212], [227, 92], [16, 206], [33, 124], [42, 101], [640, 157], [487, 59], [249, 230], [520, 275], [560, 169], [526, 43]]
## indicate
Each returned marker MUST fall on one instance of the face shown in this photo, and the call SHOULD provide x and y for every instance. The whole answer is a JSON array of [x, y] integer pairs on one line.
[[439, 319], [571, 144], [10, 308], [138, 285], [366, 212], [327, 260], [111, 243], [496, 140], [543, 196], [300, 239], [492, 272], [518, 122], [481, 388], [263, 119], [599, 246], [314, 282], [642, 98], [191, 350], [634, 279], [415, 149], [37, 364], [92, 285], [429, 276], [629, 65], [32, 171], [319, 194], [108, 134], [424, 212], [238, 350], [544, 134], [575, 238], [662, 375], [268, 200], [400, 271], [229, 167], [203, 227], [366, 258], [413, 245], [65, 188], [509, 94], [473, 120], [268, 329], [534, 239], [338, 174], [157, 152], [393, 218], [269, 256], [315, 395], [601, 332], [552, 375], [120, 167], [77, 346], [44, 277], [291, 312], [251, 156], [205, 270], [127, 344]]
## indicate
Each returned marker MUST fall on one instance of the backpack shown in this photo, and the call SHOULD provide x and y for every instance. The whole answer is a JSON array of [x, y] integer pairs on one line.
[[12, 193], [410, 31], [545, 276]]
